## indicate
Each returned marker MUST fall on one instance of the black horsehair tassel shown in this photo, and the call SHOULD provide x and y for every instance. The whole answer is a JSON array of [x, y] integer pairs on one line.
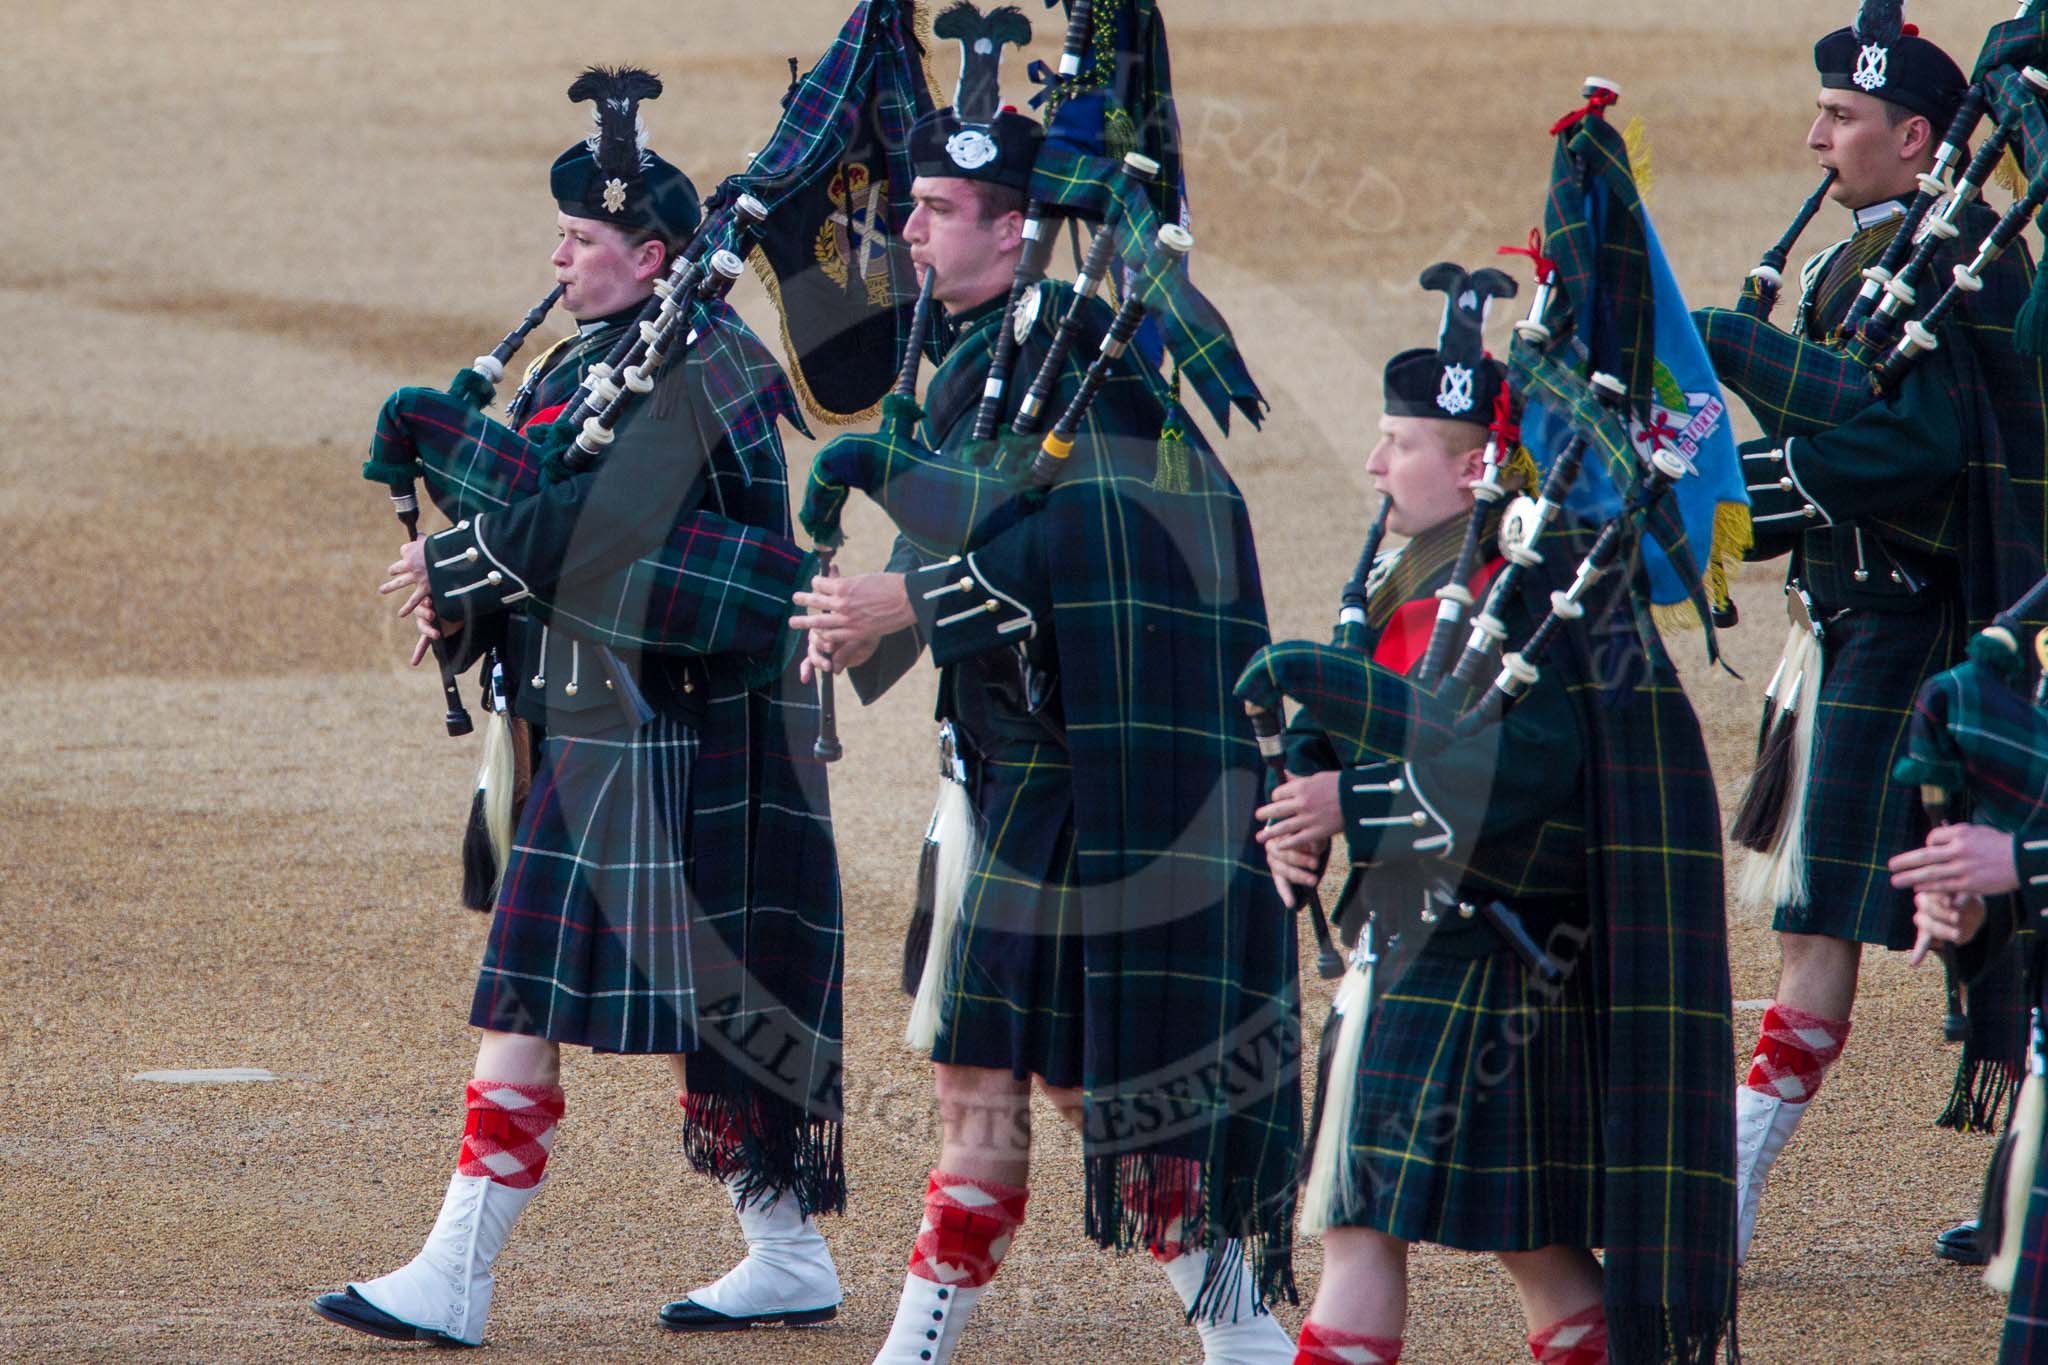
[[1770, 784]]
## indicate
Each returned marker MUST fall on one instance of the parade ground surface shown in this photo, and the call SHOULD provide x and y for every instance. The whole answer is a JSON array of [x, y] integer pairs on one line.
[[228, 814]]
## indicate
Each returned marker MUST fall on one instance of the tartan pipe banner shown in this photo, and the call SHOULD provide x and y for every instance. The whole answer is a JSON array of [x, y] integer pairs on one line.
[[1196, 336], [2014, 43], [1629, 319], [835, 176], [2016, 105]]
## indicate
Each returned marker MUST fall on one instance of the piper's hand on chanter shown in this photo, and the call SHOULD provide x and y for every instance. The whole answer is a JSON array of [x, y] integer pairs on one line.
[[1943, 919], [1303, 811], [848, 617], [1959, 860], [409, 571], [1296, 866]]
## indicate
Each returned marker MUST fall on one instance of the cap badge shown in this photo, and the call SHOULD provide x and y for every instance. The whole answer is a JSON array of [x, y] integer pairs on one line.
[[1870, 68], [1454, 390], [971, 149], [614, 195]]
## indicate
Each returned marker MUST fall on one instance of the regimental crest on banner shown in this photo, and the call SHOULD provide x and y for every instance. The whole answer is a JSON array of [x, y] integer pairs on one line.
[[853, 241], [1454, 394], [1871, 67], [1680, 420]]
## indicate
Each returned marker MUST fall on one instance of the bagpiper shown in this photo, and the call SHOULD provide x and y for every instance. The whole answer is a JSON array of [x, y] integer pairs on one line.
[[1904, 517], [671, 886], [1515, 894], [1101, 923]]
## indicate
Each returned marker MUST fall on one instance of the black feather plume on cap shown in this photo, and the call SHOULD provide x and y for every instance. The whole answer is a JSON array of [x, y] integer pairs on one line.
[[612, 175], [982, 38], [615, 93], [1880, 21]]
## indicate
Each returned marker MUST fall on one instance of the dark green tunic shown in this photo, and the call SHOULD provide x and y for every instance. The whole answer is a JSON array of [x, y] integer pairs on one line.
[[1874, 523]]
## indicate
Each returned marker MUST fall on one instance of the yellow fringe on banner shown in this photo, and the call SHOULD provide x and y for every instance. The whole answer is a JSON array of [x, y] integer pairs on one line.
[[1733, 536], [2008, 176], [1637, 138], [1520, 473]]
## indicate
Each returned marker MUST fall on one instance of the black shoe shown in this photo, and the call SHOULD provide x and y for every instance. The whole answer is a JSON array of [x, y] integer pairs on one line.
[[687, 1315], [1959, 1244], [352, 1310]]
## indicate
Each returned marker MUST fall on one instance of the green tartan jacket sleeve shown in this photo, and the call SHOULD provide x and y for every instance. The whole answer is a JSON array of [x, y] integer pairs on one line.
[[1898, 453], [1494, 792]]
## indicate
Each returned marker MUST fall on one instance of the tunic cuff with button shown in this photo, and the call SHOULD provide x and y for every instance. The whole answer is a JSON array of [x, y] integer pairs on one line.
[[2030, 858], [1778, 501], [961, 612], [466, 581], [1387, 815]]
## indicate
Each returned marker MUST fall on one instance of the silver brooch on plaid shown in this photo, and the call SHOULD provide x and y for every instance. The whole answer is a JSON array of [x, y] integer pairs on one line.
[[1519, 525], [1026, 316]]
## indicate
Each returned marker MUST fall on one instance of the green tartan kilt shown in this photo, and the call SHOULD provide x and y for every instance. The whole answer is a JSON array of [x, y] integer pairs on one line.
[[1857, 818], [590, 938], [1477, 1118], [1016, 975]]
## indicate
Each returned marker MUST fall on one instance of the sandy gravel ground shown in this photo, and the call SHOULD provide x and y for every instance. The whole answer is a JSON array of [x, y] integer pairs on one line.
[[228, 818]]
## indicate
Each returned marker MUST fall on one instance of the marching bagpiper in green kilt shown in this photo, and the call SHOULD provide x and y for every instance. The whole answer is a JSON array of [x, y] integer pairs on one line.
[[1476, 1120]]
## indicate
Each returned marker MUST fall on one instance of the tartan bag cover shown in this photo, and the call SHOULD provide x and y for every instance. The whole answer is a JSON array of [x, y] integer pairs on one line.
[[721, 584], [1654, 846], [764, 1085], [1192, 983]]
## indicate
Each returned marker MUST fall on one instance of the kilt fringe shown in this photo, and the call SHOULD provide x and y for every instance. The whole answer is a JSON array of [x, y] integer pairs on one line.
[[763, 1145], [1649, 1334], [1981, 1089], [1130, 1199]]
